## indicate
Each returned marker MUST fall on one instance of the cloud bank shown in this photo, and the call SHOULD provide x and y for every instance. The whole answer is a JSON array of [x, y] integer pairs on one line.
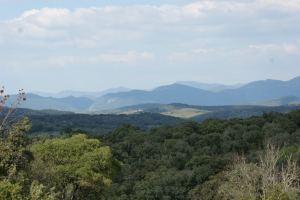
[[205, 41]]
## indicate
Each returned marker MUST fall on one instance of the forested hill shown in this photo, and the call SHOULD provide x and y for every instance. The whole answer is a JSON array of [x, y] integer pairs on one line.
[[53, 122], [28, 112], [184, 161], [178, 106], [244, 113], [187, 161], [103, 123]]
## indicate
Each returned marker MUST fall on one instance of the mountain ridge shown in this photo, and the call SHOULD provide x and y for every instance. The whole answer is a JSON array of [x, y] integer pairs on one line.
[[91, 95], [176, 93]]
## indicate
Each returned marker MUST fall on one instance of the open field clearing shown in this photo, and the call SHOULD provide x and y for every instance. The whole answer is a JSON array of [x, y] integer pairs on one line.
[[186, 112]]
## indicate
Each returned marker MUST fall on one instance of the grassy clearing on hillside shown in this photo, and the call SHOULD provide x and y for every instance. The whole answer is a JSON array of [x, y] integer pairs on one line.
[[186, 112]]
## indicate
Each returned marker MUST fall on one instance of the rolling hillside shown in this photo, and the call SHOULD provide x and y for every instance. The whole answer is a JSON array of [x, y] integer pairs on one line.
[[126, 109], [185, 113]]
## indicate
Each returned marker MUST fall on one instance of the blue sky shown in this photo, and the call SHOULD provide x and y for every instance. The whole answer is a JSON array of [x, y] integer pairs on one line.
[[89, 45]]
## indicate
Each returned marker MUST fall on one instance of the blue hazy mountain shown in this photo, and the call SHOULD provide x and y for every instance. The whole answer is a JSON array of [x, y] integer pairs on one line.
[[175, 93], [214, 87], [204, 86], [90, 95], [37, 102], [278, 101], [260, 91], [178, 93]]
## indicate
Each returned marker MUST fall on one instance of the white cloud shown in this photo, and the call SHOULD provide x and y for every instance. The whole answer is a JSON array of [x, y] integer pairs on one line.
[[130, 58], [290, 48], [204, 17], [28, 13], [265, 48], [287, 48], [210, 38]]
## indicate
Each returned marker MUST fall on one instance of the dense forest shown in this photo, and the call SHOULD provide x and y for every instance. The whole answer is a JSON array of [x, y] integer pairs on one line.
[[53, 122], [97, 123], [185, 161], [244, 112], [25, 111]]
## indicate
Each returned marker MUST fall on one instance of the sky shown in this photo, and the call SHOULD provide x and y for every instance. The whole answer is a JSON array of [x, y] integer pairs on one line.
[[93, 45]]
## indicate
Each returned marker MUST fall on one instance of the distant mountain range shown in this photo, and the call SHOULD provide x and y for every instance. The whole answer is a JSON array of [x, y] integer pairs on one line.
[[178, 93], [90, 95], [210, 87], [279, 101], [94, 95], [260, 93], [70, 103]]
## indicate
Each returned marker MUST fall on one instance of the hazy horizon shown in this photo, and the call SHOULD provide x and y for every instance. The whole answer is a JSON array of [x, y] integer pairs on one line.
[[59, 91]]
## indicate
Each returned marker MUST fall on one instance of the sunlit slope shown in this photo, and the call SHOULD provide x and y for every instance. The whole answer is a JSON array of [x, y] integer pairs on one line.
[[185, 112], [177, 106], [279, 101], [122, 110]]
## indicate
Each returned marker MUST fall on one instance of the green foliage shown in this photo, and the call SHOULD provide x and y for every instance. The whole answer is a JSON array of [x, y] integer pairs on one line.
[[80, 163], [200, 150], [277, 194], [39, 192], [209, 189], [244, 112], [294, 194], [25, 111], [178, 161], [166, 162], [164, 184], [96, 123], [14, 154], [10, 191]]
